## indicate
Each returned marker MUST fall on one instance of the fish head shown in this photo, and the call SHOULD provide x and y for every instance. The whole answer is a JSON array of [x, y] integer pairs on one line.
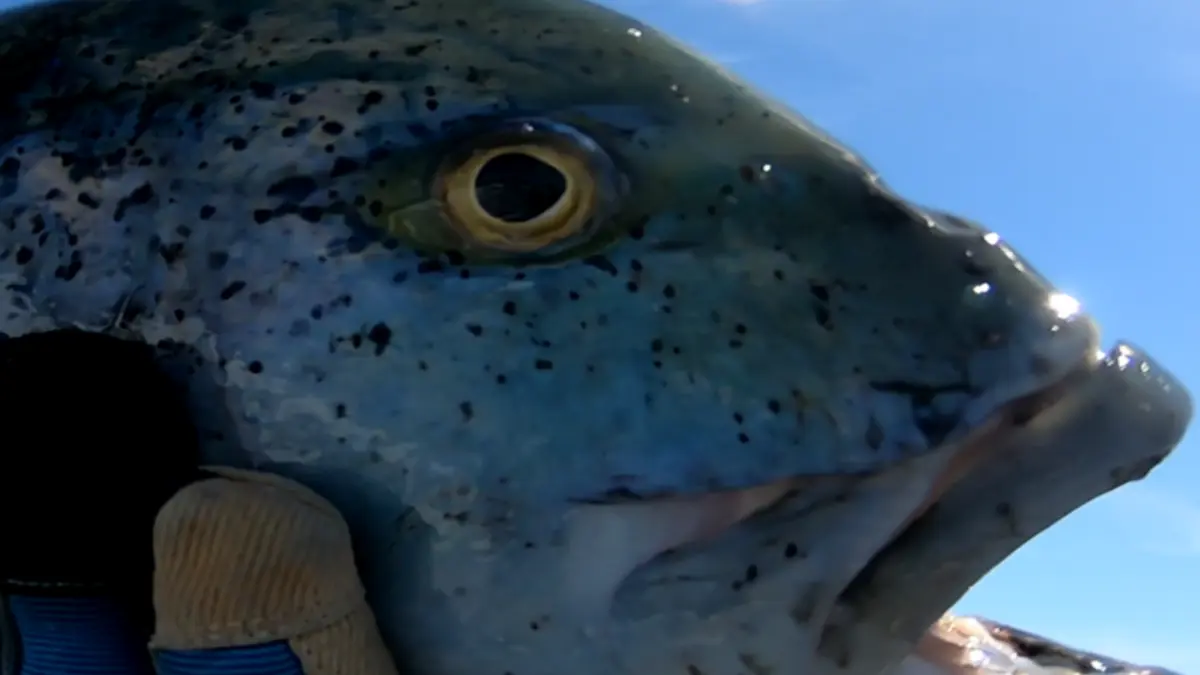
[[535, 295], [544, 223]]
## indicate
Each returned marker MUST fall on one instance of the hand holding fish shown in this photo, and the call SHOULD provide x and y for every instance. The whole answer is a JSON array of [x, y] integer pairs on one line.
[[217, 570]]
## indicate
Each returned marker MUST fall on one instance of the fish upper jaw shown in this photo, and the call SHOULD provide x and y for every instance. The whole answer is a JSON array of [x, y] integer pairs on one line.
[[1048, 354]]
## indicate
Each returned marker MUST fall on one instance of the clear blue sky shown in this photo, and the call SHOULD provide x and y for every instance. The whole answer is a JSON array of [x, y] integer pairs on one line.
[[1072, 127]]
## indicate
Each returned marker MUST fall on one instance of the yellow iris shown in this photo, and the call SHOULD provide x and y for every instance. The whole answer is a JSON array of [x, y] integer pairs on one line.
[[460, 192]]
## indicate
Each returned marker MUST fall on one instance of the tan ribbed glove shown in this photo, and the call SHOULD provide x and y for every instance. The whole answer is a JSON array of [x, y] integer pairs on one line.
[[248, 558]]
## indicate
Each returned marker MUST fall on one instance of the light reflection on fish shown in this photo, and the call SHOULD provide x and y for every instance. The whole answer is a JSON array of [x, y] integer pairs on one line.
[[535, 295]]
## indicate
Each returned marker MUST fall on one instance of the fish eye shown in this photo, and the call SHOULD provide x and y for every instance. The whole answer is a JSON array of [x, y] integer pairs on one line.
[[525, 188]]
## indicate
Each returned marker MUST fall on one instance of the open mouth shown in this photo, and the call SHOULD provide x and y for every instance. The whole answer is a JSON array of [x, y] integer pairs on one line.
[[610, 542], [980, 447], [856, 567]]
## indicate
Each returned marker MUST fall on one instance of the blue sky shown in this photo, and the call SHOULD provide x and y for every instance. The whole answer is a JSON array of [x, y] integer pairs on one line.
[[1071, 127]]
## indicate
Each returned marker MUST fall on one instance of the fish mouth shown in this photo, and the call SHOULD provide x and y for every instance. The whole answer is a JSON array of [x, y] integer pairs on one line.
[[858, 567], [1107, 423], [610, 541], [980, 446]]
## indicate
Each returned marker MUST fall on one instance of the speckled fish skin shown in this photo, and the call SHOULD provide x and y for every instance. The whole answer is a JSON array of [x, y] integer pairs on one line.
[[178, 158], [216, 177]]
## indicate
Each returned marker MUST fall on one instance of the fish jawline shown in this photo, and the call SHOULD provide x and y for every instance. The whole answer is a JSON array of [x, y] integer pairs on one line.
[[606, 543]]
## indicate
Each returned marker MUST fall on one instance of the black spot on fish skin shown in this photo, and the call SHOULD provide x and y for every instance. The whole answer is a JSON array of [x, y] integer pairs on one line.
[[71, 269], [1004, 511], [293, 188], [751, 573], [823, 317], [143, 194], [171, 252], [232, 289], [381, 336], [314, 214], [343, 166], [80, 167], [370, 99]]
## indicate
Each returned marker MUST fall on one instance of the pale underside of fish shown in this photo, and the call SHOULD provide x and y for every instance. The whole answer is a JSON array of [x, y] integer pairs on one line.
[[613, 364], [959, 645]]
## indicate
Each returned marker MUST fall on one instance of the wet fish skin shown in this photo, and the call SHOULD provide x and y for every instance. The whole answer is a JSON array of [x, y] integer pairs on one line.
[[968, 645], [217, 178], [226, 168]]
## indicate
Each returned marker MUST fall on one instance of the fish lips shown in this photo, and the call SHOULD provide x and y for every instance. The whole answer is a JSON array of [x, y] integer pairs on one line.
[[1110, 428], [846, 562]]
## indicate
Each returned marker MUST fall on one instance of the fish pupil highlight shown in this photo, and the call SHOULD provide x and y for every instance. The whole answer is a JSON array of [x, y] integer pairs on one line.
[[515, 187]]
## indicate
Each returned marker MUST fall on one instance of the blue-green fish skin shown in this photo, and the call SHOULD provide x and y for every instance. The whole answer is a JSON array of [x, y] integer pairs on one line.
[[207, 166], [251, 186]]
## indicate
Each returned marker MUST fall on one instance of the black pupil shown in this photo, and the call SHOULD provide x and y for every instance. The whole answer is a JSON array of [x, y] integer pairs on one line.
[[515, 187]]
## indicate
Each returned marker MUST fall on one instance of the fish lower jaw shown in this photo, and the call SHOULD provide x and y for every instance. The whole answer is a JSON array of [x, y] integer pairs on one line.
[[810, 573], [619, 557], [629, 560]]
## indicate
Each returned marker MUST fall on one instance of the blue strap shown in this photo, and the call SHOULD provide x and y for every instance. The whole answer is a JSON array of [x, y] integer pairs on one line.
[[272, 658], [77, 636]]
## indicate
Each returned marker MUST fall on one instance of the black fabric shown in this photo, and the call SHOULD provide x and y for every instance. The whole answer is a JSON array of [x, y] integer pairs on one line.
[[95, 439]]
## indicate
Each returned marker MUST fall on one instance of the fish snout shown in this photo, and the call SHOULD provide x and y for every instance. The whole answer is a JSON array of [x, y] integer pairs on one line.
[[844, 574], [1025, 369]]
